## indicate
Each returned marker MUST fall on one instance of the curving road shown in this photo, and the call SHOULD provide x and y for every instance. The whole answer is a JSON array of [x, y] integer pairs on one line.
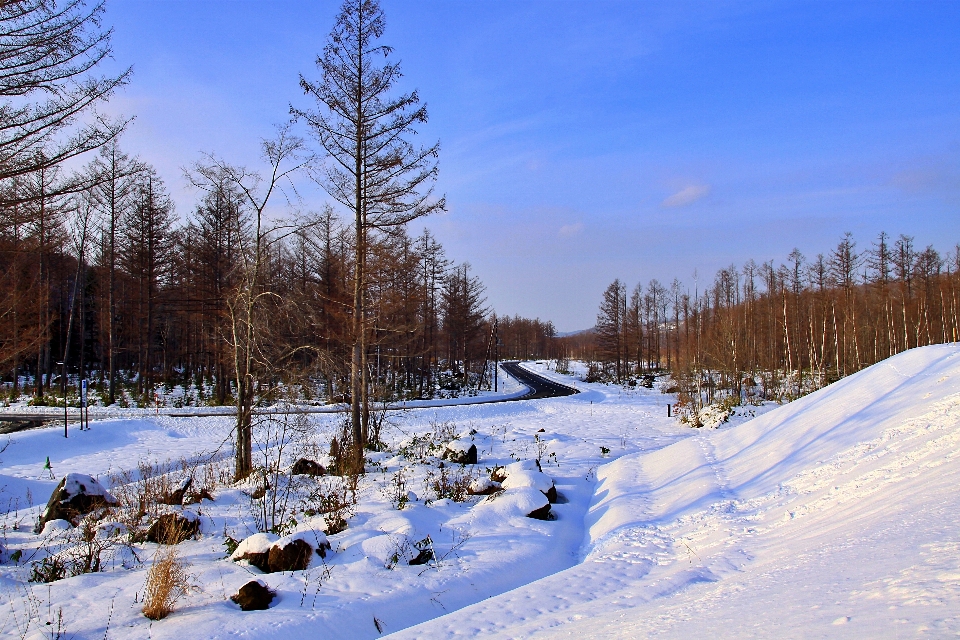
[[540, 387]]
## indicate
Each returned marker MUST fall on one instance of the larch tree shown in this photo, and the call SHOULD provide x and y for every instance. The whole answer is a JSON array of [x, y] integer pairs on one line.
[[115, 176], [49, 91], [373, 169], [610, 326]]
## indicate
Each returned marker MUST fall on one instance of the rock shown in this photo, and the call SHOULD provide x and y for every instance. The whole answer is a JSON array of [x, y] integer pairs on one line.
[[75, 496], [483, 487], [500, 474], [543, 513], [552, 494], [316, 538], [425, 556], [305, 467], [292, 556], [176, 496], [460, 452], [174, 528], [517, 502], [536, 479], [254, 596], [290, 553], [255, 550]]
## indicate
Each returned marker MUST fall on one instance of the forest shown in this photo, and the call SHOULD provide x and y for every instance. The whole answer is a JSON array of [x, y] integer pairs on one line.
[[247, 298], [776, 332]]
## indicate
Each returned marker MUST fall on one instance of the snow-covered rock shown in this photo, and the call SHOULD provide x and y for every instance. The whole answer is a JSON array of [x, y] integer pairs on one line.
[[255, 550], [462, 451], [76, 495], [254, 596], [500, 473], [521, 501], [536, 479], [483, 487]]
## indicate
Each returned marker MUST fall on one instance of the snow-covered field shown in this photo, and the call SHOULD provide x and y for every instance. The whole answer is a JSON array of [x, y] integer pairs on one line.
[[831, 516]]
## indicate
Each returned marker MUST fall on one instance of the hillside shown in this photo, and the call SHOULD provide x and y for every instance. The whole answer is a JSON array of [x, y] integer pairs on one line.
[[832, 516]]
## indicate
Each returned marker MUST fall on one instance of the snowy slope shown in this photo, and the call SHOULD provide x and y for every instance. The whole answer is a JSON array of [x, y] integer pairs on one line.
[[834, 516], [342, 597]]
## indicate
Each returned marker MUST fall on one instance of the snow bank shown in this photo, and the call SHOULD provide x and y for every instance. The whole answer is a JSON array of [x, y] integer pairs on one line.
[[833, 515]]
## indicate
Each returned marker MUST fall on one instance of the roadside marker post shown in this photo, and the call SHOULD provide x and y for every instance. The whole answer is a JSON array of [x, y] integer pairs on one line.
[[84, 414]]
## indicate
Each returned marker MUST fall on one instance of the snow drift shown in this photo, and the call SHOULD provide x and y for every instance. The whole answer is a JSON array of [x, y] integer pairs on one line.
[[833, 515]]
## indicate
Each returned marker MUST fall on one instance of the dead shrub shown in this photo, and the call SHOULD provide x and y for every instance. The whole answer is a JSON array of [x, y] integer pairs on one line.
[[334, 498], [167, 582], [453, 484]]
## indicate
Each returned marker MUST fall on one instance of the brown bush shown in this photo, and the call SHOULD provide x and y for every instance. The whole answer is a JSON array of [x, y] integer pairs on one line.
[[167, 582]]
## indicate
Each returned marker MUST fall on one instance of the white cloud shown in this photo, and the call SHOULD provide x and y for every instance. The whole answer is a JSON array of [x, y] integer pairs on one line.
[[687, 195], [568, 230]]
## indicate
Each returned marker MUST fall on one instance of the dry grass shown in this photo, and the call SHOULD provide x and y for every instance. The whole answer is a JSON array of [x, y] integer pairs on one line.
[[167, 582]]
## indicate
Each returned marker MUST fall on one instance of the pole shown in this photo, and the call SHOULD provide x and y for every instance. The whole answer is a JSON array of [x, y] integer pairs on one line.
[[496, 356], [63, 388], [83, 403]]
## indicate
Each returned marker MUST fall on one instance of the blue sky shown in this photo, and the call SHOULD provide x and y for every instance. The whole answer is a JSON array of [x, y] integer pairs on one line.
[[585, 141]]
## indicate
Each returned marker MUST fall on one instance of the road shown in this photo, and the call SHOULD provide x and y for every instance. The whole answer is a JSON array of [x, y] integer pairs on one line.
[[540, 387]]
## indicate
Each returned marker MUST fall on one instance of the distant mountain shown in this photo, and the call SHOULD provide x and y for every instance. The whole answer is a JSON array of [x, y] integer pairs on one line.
[[565, 334]]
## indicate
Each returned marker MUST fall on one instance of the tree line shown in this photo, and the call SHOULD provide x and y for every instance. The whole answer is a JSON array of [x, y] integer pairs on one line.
[[773, 331], [101, 277]]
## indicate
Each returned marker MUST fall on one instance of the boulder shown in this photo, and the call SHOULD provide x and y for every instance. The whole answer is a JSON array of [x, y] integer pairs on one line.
[[460, 452], [500, 474], [316, 538], [195, 497], [294, 555], [255, 550], [425, 556], [519, 501], [271, 554], [75, 496], [174, 528], [254, 596], [483, 487], [305, 467], [543, 513], [536, 479]]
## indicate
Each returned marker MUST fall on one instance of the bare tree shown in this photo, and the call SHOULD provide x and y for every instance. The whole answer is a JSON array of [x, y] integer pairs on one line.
[[372, 169], [284, 156], [115, 176], [48, 52]]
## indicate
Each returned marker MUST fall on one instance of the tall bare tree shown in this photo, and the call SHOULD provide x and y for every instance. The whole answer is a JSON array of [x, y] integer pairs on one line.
[[372, 170], [283, 155]]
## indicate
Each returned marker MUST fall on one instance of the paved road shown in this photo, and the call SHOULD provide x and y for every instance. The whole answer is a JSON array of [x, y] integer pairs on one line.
[[540, 387]]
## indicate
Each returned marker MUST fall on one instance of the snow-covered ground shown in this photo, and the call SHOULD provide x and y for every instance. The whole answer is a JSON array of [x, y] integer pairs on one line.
[[831, 516]]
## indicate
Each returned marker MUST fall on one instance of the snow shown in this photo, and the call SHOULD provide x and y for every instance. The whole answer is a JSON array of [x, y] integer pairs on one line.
[[834, 515], [257, 543], [513, 503], [461, 445], [77, 483], [536, 479]]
